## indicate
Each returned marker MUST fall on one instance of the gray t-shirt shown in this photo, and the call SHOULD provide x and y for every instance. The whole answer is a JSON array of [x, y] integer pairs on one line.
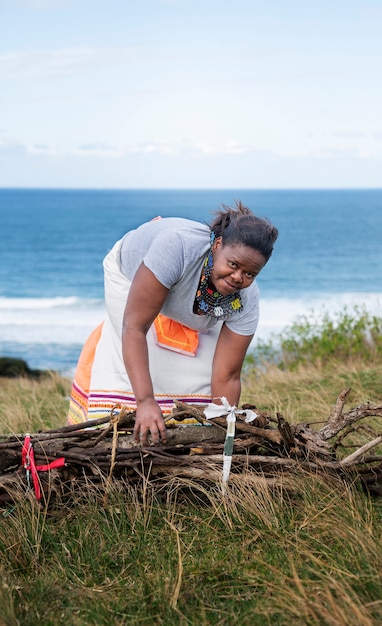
[[174, 249]]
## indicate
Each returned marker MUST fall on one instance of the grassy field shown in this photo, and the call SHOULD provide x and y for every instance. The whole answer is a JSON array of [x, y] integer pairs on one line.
[[304, 554]]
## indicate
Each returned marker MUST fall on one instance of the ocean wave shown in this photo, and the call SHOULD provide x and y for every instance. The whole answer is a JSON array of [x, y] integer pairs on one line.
[[30, 304], [70, 320], [61, 320]]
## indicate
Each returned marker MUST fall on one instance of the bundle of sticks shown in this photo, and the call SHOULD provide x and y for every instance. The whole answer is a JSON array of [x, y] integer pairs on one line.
[[100, 452]]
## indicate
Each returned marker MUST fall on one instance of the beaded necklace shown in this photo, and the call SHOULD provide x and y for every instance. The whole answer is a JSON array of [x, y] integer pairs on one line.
[[211, 302]]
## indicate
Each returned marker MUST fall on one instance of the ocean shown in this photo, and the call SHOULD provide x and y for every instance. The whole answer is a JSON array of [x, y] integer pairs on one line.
[[328, 256]]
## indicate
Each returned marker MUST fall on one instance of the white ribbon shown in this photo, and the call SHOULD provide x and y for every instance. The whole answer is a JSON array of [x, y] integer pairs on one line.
[[250, 416], [217, 410]]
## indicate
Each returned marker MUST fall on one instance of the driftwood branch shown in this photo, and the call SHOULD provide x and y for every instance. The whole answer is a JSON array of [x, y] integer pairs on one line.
[[338, 421], [361, 451], [267, 449]]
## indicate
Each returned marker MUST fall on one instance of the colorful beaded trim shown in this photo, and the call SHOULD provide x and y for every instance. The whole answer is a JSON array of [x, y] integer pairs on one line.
[[211, 302]]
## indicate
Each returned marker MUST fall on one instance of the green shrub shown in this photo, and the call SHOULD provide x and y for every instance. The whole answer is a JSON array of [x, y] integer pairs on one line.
[[322, 337]]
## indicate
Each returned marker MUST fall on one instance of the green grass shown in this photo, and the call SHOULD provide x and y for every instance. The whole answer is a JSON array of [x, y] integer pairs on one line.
[[255, 558], [306, 553]]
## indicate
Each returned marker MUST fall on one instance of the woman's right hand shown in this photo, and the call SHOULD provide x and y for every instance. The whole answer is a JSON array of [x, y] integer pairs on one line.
[[149, 420]]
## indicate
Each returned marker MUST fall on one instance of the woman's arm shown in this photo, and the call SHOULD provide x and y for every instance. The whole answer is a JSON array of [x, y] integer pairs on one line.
[[228, 360], [144, 302]]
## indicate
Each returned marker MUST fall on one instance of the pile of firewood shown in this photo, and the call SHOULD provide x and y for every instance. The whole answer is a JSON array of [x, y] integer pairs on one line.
[[72, 457]]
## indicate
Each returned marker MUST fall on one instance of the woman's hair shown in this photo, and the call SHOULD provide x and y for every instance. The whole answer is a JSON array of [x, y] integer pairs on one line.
[[238, 225]]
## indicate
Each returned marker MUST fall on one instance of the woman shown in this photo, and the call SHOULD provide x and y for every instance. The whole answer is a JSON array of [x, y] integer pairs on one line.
[[182, 309]]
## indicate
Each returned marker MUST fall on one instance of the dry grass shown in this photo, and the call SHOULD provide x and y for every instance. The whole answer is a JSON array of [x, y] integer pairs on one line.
[[310, 392], [31, 405], [307, 551]]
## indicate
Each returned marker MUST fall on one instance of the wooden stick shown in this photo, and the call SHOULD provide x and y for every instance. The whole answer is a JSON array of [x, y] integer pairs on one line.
[[339, 421], [361, 451]]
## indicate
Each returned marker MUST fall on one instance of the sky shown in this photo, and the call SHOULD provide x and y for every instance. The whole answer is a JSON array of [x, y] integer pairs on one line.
[[237, 94]]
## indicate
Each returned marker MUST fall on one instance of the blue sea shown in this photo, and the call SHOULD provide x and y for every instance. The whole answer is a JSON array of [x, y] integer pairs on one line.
[[52, 242]]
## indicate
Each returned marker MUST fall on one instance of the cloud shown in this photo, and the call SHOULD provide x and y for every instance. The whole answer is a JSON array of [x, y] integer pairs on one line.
[[42, 150], [233, 147], [206, 151], [102, 150], [185, 147], [49, 63], [154, 147], [13, 147], [98, 150], [202, 148], [229, 147]]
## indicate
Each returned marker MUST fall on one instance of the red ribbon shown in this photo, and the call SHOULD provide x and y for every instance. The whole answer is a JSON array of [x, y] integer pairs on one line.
[[29, 464]]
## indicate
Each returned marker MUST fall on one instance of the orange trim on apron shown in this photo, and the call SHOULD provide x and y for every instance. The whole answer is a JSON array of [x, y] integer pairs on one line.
[[85, 362], [175, 336]]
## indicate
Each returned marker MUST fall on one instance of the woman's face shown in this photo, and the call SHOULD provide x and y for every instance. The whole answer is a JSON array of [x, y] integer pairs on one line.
[[235, 267]]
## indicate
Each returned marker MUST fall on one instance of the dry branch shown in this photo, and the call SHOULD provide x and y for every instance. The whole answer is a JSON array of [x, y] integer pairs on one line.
[[339, 421], [98, 456]]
